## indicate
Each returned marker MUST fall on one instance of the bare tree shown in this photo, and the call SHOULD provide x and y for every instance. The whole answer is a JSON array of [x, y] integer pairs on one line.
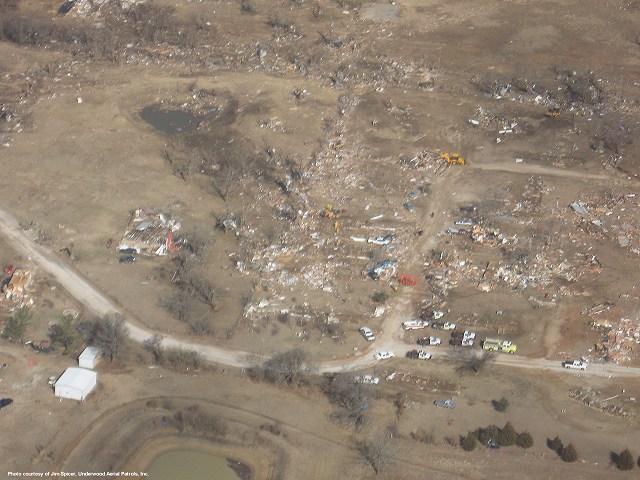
[[351, 397], [197, 241], [246, 6], [400, 401], [203, 288], [109, 334], [223, 181], [179, 305], [200, 327], [286, 367], [375, 451], [471, 361], [153, 345]]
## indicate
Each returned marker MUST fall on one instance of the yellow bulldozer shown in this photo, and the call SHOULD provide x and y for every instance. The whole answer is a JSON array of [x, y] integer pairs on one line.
[[452, 158], [552, 112], [331, 212]]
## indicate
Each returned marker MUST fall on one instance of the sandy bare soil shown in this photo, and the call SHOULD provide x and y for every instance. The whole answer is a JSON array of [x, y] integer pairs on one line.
[[301, 105]]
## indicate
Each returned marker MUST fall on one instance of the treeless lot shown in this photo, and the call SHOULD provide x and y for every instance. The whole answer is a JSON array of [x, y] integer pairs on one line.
[[345, 104]]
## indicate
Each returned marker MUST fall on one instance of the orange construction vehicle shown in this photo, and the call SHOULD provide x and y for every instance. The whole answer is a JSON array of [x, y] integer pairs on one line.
[[452, 158]]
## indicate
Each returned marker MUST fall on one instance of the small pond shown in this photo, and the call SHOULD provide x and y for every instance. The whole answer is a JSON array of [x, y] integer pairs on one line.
[[195, 465], [170, 122]]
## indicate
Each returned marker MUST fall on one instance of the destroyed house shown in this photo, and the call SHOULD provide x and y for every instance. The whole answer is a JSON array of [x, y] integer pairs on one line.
[[149, 233]]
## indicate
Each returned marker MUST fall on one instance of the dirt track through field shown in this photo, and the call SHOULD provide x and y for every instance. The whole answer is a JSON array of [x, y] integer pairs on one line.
[[87, 294]]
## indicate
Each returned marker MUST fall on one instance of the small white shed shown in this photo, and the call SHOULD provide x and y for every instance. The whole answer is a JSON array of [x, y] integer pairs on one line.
[[89, 357], [76, 383]]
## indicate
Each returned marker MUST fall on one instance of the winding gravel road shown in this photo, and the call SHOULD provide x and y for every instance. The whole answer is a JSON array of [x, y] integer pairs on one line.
[[389, 339]]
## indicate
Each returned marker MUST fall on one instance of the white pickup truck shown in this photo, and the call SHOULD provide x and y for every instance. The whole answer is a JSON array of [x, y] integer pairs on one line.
[[575, 365]]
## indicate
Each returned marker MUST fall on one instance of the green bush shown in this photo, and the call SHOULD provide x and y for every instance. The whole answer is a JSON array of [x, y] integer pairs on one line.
[[507, 435], [555, 445], [380, 296], [625, 460], [569, 454], [16, 325], [524, 440], [469, 442], [485, 435], [500, 405]]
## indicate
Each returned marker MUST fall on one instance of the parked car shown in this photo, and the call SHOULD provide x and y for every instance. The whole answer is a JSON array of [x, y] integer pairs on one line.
[[128, 251], [383, 355], [127, 259], [575, 365], [468, 209], [465, 221], [449, 326], [5, 402], [429, 341], [367, 333], [369, 379], [463, 338], [438, 325], [386, 240], [445, 403], [415, 324], [418, 355], [493, 444]]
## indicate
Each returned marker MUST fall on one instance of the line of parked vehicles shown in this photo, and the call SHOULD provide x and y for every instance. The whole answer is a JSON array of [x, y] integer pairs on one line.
[[459, 337]]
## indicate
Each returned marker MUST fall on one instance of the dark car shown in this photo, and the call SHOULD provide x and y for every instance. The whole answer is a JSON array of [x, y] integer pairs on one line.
[[127, 251], [127, 259], [412, 354], [5, 402], [493, 444], [66, 7]]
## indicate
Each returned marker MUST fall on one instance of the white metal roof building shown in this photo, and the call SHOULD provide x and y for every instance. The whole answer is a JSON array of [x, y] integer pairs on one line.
[[89, 357], [76, 383]]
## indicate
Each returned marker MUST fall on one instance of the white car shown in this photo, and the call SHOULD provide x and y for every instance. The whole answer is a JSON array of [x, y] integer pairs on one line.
[[386, 240], [383, 355], [465, 222], [575, 365], [368, 334], [435, 341], [369, 379], [449, 326], [415, 324], [469, 335], [422, 355], [418, 355], [437, 314]]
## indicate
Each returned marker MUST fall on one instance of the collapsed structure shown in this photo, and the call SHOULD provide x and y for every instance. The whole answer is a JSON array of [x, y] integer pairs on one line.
[[149, 233], [15, 288]]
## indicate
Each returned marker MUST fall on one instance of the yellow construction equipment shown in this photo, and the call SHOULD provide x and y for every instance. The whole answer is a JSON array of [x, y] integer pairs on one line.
[[552, 112], [330, 212], [452, 158]]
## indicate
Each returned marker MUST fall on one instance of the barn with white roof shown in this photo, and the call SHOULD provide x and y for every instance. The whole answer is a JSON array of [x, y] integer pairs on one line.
[[76, 383]]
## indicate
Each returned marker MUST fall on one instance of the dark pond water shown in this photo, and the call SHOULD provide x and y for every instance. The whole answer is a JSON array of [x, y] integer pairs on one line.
[[190, 465], [170, 122]]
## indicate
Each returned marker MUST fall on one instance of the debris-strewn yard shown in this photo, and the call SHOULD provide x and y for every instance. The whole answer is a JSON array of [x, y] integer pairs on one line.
[[274, 175]]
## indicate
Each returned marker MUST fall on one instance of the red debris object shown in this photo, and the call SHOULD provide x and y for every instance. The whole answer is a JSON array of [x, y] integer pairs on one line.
[[9, 269], [407, 280]]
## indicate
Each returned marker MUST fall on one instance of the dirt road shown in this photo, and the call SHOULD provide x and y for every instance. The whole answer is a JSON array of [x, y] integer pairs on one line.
[[87, 294]]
